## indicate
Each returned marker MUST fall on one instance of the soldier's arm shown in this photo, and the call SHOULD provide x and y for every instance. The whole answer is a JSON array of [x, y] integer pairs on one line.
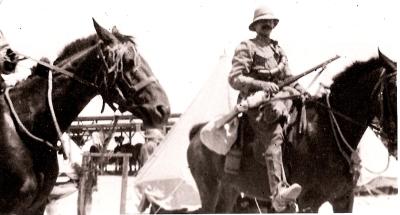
[[241, 66]]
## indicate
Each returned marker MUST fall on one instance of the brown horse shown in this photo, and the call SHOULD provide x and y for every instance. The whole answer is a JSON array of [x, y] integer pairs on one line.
[[319, 160], [106, 64]]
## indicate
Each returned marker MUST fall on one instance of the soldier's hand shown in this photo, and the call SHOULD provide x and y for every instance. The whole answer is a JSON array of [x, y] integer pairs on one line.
[[305, 96], [270, 87]]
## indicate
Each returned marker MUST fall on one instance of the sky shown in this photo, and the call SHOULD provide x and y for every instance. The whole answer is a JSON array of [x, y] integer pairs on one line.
[[183, 40]]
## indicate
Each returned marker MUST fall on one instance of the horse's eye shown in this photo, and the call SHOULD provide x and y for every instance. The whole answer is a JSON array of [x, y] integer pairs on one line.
[[129, 62]]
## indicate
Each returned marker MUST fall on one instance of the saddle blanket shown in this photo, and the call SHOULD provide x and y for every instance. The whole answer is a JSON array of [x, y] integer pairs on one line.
[[219, 140]]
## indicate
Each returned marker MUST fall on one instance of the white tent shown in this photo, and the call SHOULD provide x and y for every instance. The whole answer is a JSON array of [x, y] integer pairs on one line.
[[166, 178], [376, 163]]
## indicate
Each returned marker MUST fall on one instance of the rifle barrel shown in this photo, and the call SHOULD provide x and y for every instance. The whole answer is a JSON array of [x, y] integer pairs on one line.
[[297, 77]]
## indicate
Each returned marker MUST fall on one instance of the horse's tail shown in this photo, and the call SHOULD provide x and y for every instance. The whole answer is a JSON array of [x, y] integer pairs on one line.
[[195, 129]]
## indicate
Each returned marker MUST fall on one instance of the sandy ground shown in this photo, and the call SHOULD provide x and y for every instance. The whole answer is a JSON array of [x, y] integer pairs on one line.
[[106, 201]]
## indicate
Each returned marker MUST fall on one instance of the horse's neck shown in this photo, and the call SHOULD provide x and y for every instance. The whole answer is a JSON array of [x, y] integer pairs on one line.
[[356, 117], [69, 97]]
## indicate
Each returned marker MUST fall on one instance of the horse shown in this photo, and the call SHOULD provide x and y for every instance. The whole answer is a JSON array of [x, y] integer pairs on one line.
[[105, 63], [134, 150], [320, 160]]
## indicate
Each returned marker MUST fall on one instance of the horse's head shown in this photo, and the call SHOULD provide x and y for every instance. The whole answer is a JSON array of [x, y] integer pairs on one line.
[[109, 64], [366, 91], [129, 81], [386, 105], [8, 59]]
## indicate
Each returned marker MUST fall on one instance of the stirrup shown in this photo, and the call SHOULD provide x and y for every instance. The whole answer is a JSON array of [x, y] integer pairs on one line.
[[289, 193], [285, 196]]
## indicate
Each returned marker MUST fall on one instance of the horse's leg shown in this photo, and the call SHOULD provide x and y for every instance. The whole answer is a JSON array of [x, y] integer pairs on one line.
[[344, 203], [205, 174], [46, 176], [310, 201], [209, 192], [226, 199], [18, 182], [38, 211]]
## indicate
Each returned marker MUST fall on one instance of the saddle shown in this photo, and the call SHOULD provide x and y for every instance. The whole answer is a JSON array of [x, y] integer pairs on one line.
[[296, 131], [237, 138], [219, 139]]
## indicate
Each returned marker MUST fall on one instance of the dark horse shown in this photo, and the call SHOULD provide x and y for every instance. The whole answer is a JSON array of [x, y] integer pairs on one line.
[[134, 150], [104, 63], [317, 160]]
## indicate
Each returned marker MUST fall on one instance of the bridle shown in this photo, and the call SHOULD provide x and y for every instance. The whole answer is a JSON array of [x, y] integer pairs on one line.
[[116, 69], [116, 54], [380, 90], [353, 159]]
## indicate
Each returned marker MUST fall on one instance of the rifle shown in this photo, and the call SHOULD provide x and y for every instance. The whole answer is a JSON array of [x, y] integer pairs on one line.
[[239, 108], [292, 79]]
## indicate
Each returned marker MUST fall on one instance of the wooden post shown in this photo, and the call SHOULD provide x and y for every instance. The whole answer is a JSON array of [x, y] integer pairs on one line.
[[88, 180], [84, 207], [124, 184]]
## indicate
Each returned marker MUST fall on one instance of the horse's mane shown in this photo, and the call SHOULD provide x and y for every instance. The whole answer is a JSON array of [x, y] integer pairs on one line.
[[351, 73], [347, 78], [76, 46], [82, 43]]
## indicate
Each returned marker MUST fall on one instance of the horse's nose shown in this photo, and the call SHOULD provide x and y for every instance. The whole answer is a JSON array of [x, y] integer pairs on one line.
[[164, 111]]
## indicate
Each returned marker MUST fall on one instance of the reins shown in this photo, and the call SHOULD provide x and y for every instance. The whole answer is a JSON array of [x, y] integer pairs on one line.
[[380, 85], [49, 97], [336, 130], [64, 71], [354, 160], [21, 125], [116, 68], [53, 116]]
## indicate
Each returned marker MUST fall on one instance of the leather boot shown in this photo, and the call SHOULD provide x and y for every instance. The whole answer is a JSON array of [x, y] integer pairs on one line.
[[282, 194]]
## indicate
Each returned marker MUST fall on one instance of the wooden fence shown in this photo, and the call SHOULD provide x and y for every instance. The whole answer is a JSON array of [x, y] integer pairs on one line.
[[89, 180]]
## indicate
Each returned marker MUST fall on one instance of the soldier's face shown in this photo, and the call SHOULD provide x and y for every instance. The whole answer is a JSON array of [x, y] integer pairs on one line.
[[264, 27]]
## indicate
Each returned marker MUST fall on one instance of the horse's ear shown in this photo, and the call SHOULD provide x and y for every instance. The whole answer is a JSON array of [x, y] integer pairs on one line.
[[392, 64], [103, 34], [115, 30]]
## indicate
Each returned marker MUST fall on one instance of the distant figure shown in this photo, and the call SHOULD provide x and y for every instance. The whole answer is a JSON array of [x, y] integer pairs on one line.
[[153, 139], [117, 160]]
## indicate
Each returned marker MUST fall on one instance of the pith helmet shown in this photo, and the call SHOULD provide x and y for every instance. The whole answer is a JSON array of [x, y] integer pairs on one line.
[[262, 13]]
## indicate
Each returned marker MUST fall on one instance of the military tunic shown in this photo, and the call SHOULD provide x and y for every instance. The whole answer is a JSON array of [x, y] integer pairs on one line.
[[254, 55]]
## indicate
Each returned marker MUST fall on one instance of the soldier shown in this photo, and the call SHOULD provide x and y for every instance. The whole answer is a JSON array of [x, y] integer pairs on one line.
[[154, 137], [258, 65]]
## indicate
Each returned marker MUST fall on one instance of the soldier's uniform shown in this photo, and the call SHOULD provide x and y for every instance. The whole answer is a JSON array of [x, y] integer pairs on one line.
[[256, 63]]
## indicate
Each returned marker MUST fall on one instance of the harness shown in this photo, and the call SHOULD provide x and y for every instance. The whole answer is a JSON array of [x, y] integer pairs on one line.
[[116, 68], [379, 90], [353, 159]]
